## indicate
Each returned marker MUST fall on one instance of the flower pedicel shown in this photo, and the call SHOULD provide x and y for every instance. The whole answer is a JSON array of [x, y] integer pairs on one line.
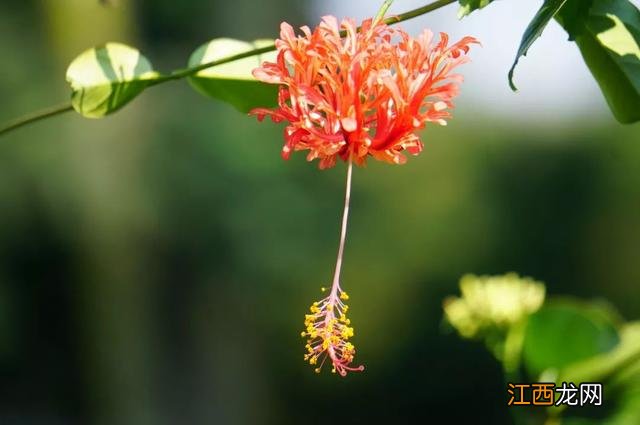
[[364, 93]]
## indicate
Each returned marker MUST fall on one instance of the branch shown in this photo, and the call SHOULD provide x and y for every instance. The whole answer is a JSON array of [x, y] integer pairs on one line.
[[36, 116], [182, 73]]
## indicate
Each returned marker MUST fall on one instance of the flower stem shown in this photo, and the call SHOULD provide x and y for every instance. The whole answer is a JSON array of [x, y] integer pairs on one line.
[[343, 233], [418, 12], [182, 73], [383, 10]]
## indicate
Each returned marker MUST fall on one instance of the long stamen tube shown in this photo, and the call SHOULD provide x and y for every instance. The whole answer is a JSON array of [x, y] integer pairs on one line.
[[327, 327]]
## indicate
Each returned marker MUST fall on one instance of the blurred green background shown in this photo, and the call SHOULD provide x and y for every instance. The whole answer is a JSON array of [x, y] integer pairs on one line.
[[155, 266]]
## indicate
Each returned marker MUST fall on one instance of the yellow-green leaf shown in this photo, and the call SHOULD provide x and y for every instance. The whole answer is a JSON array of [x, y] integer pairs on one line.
[[106, 78], [233, 82]]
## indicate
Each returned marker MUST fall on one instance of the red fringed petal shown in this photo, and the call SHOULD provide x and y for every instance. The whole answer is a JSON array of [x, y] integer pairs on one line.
[[360, 95]]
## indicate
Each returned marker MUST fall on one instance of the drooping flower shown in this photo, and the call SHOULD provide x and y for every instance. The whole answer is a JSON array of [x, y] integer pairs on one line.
[[327, 331], [352, 94], [360, 93]]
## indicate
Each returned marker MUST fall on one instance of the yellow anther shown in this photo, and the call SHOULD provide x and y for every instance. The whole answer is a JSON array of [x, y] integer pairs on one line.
[[347, 332], [323, 289], [327, 328]]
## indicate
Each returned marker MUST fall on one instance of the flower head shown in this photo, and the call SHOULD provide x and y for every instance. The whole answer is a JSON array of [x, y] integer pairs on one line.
[[492, 302], [327, 331], [360, 93]]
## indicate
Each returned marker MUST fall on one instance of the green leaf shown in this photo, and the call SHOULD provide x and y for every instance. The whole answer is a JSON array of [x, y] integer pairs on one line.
[[106, 78], [233, 82], [565, 331], [620, 365], [534, 30], [607, 33], [619, 371], [468, 6]]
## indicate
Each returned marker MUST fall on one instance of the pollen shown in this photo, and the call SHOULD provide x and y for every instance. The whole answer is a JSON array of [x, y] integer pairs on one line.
[[328, 333]]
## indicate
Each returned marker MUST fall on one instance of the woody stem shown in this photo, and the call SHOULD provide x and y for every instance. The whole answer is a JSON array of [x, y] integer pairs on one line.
[[343, 233]]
